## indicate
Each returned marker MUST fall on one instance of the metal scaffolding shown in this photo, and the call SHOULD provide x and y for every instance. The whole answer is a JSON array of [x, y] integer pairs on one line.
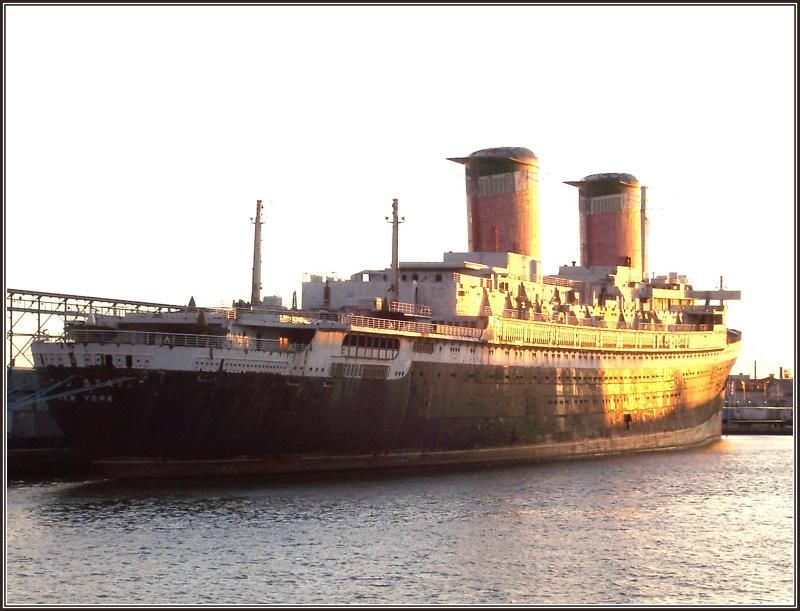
[[30, 312]]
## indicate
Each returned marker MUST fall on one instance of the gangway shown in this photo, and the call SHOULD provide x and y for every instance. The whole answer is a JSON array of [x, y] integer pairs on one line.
[[30, 312]]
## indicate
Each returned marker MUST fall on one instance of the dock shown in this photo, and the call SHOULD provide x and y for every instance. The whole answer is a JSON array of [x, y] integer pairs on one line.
[[765, 420]]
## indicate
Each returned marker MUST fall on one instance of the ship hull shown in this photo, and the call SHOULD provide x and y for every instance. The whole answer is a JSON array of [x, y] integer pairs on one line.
[[141, 468], [155, 423]]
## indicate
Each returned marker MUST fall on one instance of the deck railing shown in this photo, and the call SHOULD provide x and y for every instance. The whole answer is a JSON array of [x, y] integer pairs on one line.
[[389, 324], [549, 333], [561, 335], [183, 340], [552, 280], [410, 308]]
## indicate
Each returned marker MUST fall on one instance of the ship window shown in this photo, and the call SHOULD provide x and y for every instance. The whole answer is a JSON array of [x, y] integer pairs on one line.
[[438, 277], [368, 346], [424, 346]]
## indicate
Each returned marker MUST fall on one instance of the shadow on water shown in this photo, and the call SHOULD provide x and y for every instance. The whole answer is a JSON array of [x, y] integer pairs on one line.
[[263, 502], [280, 481]]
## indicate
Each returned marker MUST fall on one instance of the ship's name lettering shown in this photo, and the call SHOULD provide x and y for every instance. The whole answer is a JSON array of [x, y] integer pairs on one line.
[[93, 398]]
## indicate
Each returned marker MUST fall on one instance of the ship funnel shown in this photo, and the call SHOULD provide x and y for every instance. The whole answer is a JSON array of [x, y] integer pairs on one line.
[[502, 200], [613, 225]]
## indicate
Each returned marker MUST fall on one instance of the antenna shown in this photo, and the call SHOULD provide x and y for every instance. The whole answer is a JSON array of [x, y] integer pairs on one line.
[[395, 264], [255, 293]]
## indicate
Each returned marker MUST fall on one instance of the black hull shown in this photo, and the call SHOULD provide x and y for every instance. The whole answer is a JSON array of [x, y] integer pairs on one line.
[[139, 468], [181, 423]]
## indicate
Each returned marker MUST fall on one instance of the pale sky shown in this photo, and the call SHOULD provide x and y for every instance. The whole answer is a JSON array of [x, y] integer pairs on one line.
[[138, 139]]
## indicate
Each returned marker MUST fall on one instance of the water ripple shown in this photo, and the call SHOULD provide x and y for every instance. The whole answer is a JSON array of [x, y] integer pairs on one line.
[[712, 526]]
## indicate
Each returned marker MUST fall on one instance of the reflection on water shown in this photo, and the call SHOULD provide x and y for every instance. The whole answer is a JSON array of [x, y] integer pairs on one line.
[[713, 525]]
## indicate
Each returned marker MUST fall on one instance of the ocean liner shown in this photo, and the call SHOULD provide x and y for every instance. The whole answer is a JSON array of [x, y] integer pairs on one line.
[[476, 359]]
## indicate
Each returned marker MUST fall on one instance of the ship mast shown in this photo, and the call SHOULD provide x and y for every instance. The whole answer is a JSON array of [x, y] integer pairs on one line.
[[255, 293], [395, 264]]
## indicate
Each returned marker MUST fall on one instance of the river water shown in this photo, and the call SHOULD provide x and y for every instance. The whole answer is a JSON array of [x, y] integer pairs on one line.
[[714, 525]]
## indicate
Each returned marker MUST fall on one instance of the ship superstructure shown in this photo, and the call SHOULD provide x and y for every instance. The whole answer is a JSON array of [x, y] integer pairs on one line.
[[477, 358]]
